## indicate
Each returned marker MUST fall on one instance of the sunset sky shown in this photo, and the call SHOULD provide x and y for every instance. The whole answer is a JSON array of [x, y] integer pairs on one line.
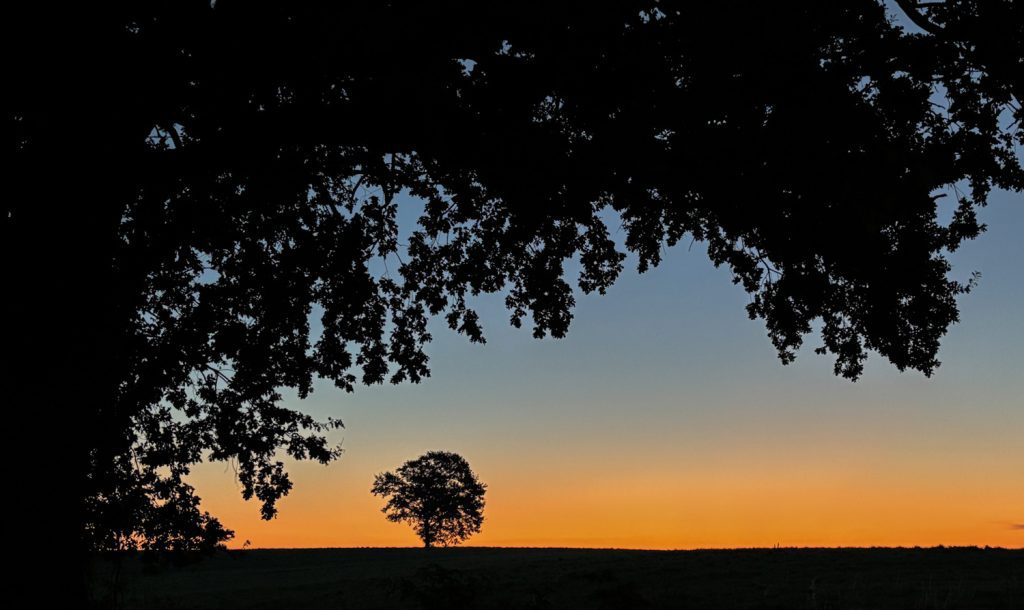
[[665, 420]]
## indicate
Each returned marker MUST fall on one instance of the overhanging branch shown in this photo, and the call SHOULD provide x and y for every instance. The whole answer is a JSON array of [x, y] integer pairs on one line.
[[913, 12]]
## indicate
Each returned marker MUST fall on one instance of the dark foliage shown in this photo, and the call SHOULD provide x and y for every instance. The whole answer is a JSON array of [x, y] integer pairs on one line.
[[438, 494], [200, 194]]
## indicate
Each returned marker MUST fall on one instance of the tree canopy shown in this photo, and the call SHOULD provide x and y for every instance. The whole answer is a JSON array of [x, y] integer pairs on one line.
[[437, 494], [193, 182]]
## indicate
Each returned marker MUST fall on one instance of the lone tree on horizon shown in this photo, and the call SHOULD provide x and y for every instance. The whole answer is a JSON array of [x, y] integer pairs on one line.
[[438, 494]]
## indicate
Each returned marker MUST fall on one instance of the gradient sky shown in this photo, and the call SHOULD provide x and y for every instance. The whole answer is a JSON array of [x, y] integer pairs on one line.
[[665, 420]]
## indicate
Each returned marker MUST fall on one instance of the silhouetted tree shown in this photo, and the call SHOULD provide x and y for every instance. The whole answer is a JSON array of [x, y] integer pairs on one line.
[[192, 182], [438, 494]]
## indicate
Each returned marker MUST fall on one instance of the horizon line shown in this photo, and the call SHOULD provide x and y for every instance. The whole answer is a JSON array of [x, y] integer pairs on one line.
[[641, 549]]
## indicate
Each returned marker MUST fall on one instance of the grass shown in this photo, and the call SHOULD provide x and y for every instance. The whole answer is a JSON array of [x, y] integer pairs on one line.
[[799, 579]]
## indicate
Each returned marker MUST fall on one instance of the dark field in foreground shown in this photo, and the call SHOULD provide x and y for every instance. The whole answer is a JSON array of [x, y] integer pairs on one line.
[[939, 578]]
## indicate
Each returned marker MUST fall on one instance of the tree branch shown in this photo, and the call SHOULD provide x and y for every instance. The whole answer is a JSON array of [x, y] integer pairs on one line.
[[910, 9], [171, 131]]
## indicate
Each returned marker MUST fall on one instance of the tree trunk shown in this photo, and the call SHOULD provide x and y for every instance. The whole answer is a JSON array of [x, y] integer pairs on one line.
[[59, 234], [62, 365]]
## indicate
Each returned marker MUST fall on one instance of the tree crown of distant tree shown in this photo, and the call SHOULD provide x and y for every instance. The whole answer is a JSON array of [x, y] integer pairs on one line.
[[437, 494]]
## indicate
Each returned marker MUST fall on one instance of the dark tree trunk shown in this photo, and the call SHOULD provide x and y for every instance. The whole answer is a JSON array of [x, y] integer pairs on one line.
[[59, 232], [61, 349]]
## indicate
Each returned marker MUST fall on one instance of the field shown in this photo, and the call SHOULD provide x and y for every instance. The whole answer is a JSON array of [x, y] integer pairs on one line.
[[835, 579]]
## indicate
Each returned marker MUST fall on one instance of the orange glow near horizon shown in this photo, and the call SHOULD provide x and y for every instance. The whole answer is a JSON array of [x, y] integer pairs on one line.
[[729, 506]]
